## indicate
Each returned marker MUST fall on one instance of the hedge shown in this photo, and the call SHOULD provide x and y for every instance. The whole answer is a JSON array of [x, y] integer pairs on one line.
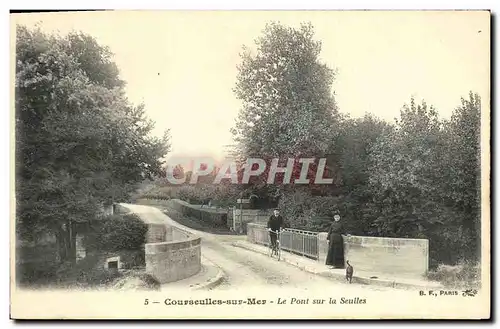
[[116, 233]]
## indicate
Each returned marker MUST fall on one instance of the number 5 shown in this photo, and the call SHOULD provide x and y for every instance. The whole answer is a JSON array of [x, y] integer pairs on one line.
[[146, 301]]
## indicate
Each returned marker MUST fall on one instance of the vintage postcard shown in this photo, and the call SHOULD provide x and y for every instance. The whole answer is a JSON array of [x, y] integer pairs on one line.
[[250, 165]]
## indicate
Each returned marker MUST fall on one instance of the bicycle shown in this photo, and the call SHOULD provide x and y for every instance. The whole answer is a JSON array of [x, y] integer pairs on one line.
[[276, 249]]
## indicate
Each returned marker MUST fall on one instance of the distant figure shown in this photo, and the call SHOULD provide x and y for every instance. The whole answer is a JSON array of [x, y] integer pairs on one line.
[[335, 257], [253, 201]]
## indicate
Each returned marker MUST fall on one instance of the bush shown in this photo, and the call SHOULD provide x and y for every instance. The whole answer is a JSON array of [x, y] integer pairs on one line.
[[120, 210], [156, 193], [465, 274], [35, 273], [449, 238], [221, 195], [84, 274], [304, 211], [212, 218], [116, 233]]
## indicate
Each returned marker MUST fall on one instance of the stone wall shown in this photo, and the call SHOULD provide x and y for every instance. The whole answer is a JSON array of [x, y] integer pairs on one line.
[[171, 253], [210, 216], [179, 235], [376, 255], [322, 247], [398, 256], [174, 260], [157, 233], [215, 217]]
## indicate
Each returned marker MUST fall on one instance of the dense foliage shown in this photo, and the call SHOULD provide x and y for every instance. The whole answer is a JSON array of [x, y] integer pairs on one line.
[[117, 233], [79, 141], [417, 177], [285, 79]]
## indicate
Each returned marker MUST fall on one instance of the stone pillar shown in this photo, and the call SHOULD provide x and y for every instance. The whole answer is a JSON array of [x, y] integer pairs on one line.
[[80, 247], [322, 247], [239, 220], [251, 233]]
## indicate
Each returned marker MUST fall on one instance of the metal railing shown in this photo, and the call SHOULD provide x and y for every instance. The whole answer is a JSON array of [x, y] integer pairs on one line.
[[300, 242]]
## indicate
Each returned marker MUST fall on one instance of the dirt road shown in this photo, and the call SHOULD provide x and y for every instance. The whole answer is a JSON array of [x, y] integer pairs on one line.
[[245, 269]]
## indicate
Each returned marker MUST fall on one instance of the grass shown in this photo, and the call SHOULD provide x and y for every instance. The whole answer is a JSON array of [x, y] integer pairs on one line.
[[121, 235], [86, 274], [136, 280], [53, 275], [462, 275]]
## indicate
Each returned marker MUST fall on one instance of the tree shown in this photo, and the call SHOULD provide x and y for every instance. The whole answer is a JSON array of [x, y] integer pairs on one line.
[[304, 211], [463, 143], [79, 142], [462, 177], [353, 146], [406, 171], [351, 157], [288, 110], [288, 107], [425, 180]]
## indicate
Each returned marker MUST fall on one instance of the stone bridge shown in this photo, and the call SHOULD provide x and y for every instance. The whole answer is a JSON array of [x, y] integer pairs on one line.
[[174, 252]]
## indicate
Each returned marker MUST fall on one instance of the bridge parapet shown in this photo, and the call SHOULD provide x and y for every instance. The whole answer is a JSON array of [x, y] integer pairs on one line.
[[171, 253], [176, 259], [404, 257]]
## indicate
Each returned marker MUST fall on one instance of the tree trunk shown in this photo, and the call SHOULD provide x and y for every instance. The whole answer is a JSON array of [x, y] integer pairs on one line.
[[66, 241], [72, 243], [62, 245]]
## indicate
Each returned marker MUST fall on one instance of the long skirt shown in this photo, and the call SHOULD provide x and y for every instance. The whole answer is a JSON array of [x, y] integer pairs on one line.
[[335, 255]]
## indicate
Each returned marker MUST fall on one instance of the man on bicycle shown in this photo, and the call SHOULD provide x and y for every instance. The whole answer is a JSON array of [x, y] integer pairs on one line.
[[274, 224]]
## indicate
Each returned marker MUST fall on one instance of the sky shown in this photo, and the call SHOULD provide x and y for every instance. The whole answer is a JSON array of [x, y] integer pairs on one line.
[[183, 65]]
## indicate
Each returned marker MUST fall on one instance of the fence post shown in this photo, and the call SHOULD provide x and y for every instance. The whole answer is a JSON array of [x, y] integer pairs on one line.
[[303, 244], [234, 219]]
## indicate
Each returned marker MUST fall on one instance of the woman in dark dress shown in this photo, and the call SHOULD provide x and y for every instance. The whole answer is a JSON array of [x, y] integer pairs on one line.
[[335, 255]]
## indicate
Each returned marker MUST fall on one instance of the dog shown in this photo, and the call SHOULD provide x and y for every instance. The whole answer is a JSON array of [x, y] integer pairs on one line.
[[349, 271]]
